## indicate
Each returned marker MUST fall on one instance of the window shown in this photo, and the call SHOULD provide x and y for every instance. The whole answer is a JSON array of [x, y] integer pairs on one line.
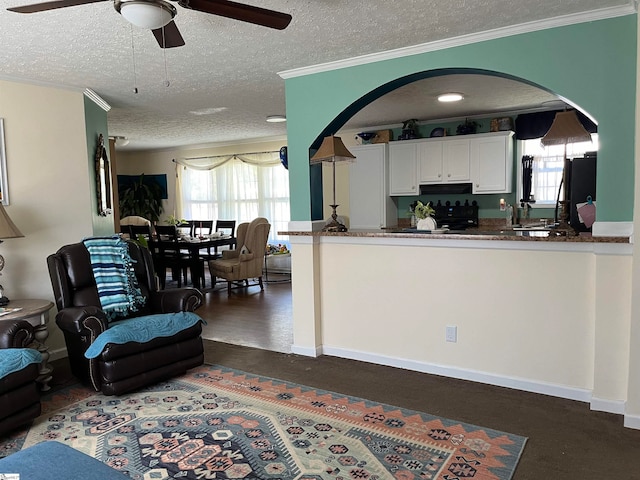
[[237, 188], [548, 163]]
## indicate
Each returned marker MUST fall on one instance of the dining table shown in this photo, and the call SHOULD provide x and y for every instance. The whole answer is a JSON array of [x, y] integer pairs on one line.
[[197, 249]]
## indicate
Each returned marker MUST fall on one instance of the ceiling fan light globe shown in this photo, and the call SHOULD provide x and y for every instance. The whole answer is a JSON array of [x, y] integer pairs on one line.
[[147, 14]]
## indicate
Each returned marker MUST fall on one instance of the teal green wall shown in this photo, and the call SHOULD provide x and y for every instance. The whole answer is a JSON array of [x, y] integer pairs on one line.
[[593, 65], [96, 124]]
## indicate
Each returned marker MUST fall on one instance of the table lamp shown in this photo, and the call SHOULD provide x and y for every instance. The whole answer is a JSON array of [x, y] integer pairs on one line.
[[566, 128], [7, 230], [332, 150]]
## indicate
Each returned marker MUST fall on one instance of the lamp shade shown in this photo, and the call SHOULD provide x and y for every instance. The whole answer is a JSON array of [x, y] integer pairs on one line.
[[566, 128], [150, 14], [8, 229], [332, 150]]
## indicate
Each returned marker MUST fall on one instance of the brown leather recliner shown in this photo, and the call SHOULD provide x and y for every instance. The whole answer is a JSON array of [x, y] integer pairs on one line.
[[120, 367], [19, 395]]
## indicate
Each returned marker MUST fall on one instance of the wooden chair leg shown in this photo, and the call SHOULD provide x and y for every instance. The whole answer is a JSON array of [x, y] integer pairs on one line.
[[260, 282], [228, 288]]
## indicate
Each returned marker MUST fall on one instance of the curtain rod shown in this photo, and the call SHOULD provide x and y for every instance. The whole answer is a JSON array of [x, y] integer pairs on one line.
[[228, 155]]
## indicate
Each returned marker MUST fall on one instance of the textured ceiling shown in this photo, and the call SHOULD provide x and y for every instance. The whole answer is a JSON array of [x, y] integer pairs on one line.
[[232, 66]]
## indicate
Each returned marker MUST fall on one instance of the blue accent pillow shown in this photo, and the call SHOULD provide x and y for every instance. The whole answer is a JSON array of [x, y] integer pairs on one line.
[[143, 329], [15, 359]]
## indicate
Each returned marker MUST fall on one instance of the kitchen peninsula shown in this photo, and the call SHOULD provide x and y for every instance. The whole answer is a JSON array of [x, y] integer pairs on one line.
[[530, 312]]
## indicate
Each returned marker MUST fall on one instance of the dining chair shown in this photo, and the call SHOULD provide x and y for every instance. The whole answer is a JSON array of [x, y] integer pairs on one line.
[[201, 227], [227, 227], [140, 230], [166, 254]]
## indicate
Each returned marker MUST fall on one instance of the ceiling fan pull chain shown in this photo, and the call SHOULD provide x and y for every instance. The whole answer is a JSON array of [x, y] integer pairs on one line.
[[164, 53], [133, 57]]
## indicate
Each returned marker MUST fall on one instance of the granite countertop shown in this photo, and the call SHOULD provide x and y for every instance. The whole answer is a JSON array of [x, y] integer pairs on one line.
[[469, 234]]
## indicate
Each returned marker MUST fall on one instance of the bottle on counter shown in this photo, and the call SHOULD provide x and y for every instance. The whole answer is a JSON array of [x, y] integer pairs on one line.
[[509, 215]]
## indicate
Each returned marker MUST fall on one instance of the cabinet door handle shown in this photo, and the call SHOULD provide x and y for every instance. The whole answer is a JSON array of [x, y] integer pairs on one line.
[[477, 184], [449, 175], [439, 175]]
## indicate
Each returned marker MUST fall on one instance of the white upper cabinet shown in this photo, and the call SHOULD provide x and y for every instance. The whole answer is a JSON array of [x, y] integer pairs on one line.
[[456, 160], [485, 160], [430, 162], [442, 161], [492, 163], [403, 168]]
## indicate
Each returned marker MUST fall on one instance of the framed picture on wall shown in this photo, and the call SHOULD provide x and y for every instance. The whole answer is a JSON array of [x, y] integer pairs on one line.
[[4, 186]]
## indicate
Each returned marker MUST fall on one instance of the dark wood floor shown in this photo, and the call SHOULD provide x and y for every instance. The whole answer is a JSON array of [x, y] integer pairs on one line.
[[565, 439], [250, 317]]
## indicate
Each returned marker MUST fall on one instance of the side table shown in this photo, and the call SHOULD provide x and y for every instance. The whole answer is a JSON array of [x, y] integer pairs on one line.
[[36, 312]]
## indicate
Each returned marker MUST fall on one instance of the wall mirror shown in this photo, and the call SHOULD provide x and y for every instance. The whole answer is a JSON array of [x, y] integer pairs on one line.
[[103, 179]]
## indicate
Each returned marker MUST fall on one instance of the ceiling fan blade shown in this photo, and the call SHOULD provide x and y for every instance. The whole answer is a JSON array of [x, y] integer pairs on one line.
[[239, 11], [42, 7], [170, 38]]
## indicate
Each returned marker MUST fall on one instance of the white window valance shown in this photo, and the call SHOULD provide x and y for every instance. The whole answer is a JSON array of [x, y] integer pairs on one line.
[[259, 159]]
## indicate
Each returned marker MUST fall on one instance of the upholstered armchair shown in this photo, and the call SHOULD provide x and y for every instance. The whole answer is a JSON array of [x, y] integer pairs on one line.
[[155, 337], [19, 395], [247, 260]]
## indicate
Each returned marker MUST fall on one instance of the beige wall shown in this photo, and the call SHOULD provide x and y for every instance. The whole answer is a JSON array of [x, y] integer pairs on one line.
[[48, 182], [547, 318]]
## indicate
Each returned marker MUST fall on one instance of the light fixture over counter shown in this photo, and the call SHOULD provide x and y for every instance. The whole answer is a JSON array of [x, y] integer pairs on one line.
[[276, 118]]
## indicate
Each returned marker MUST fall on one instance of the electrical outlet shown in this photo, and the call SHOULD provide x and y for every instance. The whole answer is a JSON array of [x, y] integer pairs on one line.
[[451, 334]]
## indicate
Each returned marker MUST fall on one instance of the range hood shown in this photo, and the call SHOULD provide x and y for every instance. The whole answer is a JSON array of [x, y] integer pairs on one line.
[[445, 189]]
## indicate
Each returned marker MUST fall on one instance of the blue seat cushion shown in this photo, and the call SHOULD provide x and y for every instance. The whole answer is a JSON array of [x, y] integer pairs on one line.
[[142, 329], [48, 460], [15, 359]]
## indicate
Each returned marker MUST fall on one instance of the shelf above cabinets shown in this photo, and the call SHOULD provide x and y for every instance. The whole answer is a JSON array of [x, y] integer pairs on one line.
[[485, 160]]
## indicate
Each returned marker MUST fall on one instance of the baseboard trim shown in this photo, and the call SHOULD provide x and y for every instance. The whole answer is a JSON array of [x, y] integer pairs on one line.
[[609, 406], [561, 391], [632, 421], [306, 351]]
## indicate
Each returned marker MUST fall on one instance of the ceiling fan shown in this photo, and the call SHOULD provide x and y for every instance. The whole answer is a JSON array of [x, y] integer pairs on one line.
[[158, 15]]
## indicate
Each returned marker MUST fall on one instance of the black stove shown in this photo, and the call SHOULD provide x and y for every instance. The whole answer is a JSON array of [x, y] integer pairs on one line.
[[456, 217]]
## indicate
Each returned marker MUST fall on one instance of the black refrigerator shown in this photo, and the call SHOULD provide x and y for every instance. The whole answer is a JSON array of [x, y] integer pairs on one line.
[[582, 181]]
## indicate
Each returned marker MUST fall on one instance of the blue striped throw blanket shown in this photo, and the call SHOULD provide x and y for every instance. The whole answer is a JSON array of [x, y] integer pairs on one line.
[[113, 270]]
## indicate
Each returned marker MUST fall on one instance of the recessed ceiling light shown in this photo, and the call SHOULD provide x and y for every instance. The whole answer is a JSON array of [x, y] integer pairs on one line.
[[450, 97], [208, 111], [276, 118]]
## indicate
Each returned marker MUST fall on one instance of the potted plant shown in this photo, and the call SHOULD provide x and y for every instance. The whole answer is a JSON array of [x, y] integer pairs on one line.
[[468, 127], [141, 198], [175, 221], [423, 213]]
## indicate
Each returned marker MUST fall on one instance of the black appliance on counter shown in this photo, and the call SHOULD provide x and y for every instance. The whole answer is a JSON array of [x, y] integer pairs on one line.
[[456, 217], [582, 185]]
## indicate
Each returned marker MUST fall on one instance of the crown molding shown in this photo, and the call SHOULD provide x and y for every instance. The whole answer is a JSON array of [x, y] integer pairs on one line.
[[97, 99], [562, 21]]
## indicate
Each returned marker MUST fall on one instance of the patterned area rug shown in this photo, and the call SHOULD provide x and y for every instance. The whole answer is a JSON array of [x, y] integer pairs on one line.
[[219, 423]]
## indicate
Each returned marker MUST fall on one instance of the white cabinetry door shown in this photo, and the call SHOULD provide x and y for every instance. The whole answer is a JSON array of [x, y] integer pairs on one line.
[[430, 162], [370, 206], [403, 168], [456, 160], [492, 163]]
